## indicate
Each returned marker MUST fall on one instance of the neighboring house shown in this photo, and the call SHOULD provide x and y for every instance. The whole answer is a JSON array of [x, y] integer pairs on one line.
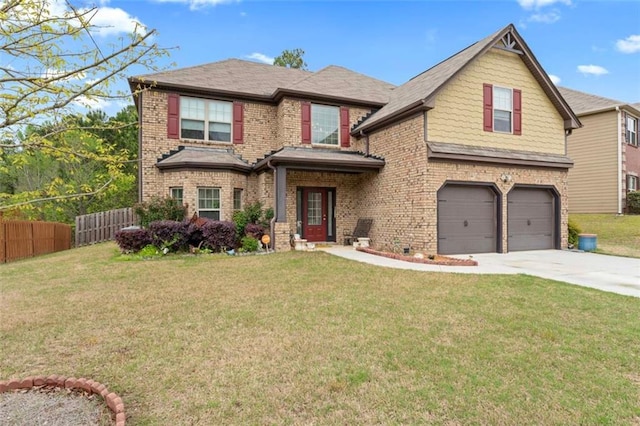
[[605, 153], [467, 157]]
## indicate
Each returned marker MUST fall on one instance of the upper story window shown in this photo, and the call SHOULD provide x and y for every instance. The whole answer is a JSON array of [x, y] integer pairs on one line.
[[502, 109], [325, 122], [632, 130], [205, 120]]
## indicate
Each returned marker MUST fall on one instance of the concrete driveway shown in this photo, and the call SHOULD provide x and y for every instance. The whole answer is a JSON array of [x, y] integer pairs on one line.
[[607, 273]]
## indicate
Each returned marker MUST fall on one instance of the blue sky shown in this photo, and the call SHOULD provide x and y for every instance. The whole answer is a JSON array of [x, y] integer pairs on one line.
[[592, 46]]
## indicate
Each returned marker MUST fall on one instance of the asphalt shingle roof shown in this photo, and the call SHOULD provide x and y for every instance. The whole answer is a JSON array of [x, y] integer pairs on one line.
[[585, 102]]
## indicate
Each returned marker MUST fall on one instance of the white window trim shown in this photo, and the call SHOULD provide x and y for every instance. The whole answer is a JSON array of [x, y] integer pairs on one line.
[[206, 121], [635, 131], [336, 108], [510, 89], [635, 180], [219, 209]]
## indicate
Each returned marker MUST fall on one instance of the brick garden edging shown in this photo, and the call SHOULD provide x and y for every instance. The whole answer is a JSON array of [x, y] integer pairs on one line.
[[113, 401], [438, 260]]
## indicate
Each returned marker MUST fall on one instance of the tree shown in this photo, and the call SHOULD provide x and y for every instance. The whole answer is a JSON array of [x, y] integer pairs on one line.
[[50, 65], [291, 59]]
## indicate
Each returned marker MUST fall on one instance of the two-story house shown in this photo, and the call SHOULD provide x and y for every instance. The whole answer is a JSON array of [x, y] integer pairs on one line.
[[605, 152], [467, 157]]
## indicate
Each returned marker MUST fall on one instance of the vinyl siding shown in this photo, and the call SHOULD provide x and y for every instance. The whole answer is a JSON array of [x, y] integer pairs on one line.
[[458, 113], [593, 178]]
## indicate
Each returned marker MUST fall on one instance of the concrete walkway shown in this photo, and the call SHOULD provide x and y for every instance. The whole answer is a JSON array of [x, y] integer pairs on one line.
[[607, 273]]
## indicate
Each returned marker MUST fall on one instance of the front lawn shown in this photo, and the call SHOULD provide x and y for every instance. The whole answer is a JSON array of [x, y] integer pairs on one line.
[[618, 235], [308, 338]]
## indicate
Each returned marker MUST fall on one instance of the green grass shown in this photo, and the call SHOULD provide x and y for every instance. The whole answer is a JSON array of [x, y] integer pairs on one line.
[[618, 235], [308, 338]]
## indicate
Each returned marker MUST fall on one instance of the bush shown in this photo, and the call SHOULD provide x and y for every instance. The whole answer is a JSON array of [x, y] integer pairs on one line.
[[252, 214], [574, 230], [132, 241], [249, 244], [633, 202], [159, 208], [170, 234], [254, 230], [219, 235]]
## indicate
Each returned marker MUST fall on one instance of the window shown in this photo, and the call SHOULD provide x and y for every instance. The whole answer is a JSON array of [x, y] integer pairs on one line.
[[632, 130], [209, 203], [237, 199], [632, 183], [176, 193], [325, 122], [502, 109], [205, 120]]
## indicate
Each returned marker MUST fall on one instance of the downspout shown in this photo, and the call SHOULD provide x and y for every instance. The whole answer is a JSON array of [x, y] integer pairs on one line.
[[272, 222], [366, 143], [619, 184], [140, 146]]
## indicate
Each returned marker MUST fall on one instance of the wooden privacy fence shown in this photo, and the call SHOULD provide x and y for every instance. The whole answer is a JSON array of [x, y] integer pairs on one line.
[[99, 227], [20, 239]]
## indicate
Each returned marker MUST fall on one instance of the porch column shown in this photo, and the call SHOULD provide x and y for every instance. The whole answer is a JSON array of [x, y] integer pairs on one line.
[[281, 194]]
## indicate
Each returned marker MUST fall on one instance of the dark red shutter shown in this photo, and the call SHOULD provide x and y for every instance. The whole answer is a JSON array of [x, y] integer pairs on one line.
[[345, 137], [517, 111], [173, 116], [487, 90], [238, 122], [306, 122]]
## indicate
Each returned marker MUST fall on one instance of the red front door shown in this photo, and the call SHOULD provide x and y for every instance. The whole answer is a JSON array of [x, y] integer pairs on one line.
[[314, 214]]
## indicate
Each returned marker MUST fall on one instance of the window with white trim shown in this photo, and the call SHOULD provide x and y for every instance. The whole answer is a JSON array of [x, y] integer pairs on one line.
[[502, 109], [325, 125], [237, 199], [205, 120], [177, 194], [632, 183], [209, 203], [632, 130]]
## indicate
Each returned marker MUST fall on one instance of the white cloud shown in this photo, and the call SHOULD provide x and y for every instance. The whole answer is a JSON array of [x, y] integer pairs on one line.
[[592, 70], [51, 73], [93, 103], [537, 4], [630, 44], [260, 57], [545, 18], [199, 4], [555, 79], [109, 21]]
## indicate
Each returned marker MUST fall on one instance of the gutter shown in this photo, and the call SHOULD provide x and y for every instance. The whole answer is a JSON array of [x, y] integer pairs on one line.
[[619, 184]]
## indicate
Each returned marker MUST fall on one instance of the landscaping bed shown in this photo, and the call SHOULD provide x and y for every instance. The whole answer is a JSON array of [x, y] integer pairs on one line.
[[429, 260]]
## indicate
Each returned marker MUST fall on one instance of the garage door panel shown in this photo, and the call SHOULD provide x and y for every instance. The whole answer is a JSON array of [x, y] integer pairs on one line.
[[530, 222], [466, 220]]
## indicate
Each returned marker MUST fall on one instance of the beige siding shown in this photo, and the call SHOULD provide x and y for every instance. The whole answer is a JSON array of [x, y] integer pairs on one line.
[[593, 179], [458, 113]]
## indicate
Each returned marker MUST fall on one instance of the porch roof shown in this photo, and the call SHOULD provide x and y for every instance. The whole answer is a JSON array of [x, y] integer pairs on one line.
[[321, 160], [452, 151], [191, 157]]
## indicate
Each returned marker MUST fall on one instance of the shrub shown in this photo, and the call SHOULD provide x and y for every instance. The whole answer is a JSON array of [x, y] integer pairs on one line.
[[219, 235], [574, 230], [254, 230], [633, 202], [249, 244], [170, 234], [252, 214], [194, 234], [132, 241], [159, 208]]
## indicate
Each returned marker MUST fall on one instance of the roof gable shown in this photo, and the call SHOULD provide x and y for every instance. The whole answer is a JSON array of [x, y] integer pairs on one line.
[[419, 92]]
